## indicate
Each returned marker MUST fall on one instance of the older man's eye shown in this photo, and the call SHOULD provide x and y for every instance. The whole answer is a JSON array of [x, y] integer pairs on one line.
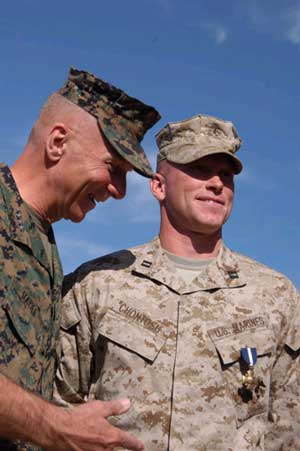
[[111, 167]]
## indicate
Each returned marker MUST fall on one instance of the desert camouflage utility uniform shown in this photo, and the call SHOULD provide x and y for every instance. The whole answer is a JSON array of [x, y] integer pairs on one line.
[[132, 328], [30, 292]]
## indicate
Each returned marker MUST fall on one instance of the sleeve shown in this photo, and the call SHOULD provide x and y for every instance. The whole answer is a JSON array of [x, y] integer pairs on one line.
[[284, 419], [73, 376]]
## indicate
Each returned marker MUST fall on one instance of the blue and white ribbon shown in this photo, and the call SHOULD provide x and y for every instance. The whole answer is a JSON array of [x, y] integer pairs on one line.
[[249, 355]]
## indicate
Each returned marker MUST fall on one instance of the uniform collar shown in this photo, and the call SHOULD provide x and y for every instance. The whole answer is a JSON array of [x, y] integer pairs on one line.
[[223, 272], [21, 227]]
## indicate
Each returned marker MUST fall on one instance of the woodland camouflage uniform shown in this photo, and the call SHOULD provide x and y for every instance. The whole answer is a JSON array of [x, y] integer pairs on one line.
[[30, 288], [30, 292]]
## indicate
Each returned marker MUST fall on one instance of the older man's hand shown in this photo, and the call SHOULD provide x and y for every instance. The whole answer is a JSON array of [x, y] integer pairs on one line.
[[86, 428]]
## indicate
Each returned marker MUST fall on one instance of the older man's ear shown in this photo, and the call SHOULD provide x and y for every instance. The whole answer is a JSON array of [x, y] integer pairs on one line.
[[56, 143]]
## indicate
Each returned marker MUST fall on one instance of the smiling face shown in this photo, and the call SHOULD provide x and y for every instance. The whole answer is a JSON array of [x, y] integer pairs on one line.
[[93, 172], [196, 198]]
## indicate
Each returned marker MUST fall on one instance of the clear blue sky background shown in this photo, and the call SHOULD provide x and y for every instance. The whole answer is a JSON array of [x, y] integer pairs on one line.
[[238, 60]]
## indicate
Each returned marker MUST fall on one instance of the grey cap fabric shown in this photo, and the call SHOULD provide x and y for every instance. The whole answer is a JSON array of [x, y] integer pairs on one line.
[[191, 139]]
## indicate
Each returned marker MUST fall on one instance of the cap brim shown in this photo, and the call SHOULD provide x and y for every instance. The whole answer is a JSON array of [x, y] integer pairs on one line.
[[196, 156], [127, 146]]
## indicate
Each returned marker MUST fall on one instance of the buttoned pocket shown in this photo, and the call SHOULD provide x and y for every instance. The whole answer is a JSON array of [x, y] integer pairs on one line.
[[249, 400], [131, 336], [22, 320]]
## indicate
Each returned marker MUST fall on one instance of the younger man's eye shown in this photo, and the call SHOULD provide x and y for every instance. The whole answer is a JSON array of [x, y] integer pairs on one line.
[[203, 169], [227, 174]]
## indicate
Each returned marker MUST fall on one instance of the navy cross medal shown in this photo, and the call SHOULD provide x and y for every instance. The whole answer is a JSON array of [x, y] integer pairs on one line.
[[249, 355], [251, 383]]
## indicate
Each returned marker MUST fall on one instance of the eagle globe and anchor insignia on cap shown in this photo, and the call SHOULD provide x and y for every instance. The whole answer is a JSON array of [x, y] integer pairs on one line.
[[253, 387]]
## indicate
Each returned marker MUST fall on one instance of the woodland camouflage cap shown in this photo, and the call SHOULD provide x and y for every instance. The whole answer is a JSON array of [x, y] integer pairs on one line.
[[188, 140], [123, 119]]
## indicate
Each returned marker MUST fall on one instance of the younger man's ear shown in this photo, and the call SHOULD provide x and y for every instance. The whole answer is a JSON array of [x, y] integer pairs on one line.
[[158, 186]]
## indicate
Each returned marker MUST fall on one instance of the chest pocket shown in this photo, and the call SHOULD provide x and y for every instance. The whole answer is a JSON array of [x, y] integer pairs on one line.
[[130, 336], [252, 398], [20, 328]]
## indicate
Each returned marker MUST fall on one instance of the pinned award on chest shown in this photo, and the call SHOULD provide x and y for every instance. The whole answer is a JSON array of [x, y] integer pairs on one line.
[[251, 382]]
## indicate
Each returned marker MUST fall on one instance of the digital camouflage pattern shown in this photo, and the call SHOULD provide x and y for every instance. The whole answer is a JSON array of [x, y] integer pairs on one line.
[[30, 293], [123, 119], [188, 140], [132, 328]]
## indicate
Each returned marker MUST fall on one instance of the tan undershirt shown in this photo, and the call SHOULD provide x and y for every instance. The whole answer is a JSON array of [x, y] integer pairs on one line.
[[188, 268]]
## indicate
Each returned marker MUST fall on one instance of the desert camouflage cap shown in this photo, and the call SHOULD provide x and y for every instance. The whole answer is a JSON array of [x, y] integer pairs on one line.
[[188, 140], [123, 119]]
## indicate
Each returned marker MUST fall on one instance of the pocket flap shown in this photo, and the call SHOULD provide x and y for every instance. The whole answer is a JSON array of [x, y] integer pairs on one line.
[[70, 314], [130, 335], [229, 348], [22, 318]]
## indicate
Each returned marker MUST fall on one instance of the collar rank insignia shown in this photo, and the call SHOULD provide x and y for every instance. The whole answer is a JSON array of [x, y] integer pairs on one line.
[[146, 263]]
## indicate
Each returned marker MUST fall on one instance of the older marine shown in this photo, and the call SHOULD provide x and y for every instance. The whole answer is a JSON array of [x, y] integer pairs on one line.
[[205, 341], [86, 139]]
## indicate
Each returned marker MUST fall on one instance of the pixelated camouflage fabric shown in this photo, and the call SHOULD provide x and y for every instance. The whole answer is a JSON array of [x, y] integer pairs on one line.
[[131, 327], [30, 293], [123, 119], [188, 140]]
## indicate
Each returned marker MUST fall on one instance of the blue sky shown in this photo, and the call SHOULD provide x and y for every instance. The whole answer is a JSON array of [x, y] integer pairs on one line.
[[238, 60]]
